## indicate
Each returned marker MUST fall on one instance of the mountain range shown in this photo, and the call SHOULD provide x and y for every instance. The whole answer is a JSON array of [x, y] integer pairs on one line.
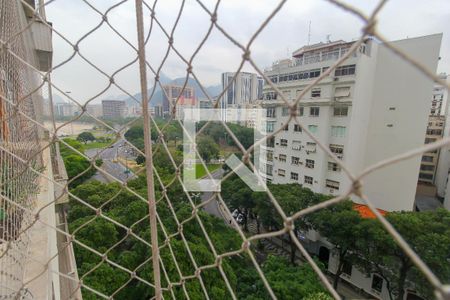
[[212, 91]]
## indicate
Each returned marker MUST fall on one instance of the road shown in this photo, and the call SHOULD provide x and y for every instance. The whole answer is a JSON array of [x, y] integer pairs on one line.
[[212, 207], [110, 164]]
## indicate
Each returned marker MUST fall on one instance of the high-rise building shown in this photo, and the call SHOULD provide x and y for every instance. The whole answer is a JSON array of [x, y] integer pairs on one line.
[[244, 90], [171, 93], [95, 110], [66, 110], [368, 109], [438, 159], [113, 108]]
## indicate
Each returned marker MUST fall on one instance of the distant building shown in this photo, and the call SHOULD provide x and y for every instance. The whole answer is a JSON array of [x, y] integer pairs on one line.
[[66, 110], [158, 111], [170, 95], [95, 110], [440, 158], [113, 108], [245, 89]]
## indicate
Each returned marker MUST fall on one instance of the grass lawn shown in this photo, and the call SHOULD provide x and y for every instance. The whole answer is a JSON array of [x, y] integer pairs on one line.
[[93, 145], [201, 172]]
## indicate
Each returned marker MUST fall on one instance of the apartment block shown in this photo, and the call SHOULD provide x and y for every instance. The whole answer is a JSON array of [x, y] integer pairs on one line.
[[173, 92], [66, 109], [243, 92], [114, 108], [440, 95], [95, 110], [370, 108]]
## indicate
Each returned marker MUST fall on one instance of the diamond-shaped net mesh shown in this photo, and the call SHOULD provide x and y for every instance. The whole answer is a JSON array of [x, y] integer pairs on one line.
[[140, 229]]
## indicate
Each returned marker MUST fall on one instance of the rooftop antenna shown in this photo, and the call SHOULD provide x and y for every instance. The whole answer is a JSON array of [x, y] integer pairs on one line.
[[328, 38], [309, 32]]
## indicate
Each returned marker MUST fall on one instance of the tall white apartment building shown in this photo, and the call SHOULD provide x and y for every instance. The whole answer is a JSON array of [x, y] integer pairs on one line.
[[243, 92], [440, 95], [374, 106]]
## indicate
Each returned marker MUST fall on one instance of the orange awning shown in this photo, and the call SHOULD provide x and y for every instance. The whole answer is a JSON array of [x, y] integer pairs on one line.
[[365, 212]]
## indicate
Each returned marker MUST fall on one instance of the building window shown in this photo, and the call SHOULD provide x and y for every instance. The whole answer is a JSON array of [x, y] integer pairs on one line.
[[315, 93], [297, 128], [429, 140], [296, 145], [281, 172], [338, 131], [270, 126], [332, 184], [269, 155], [426, 176], [314, 111], [340, 111], [310, 147], [332, 166], [270, 142], [427, 158], [283, 142], [282, 157], [337, 149], [309, 163], [269, 170], [295, 160], [300, 111], [427, 167], [308, 180], [342, 91], [434, 131], [285, 111], [294, 176], [270, 112], [298, 92], [377, 283], [345, 70], [312, 128], [286, 127], [270, 96]]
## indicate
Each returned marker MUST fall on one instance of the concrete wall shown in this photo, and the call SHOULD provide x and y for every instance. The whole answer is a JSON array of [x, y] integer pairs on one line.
[[399, 85]]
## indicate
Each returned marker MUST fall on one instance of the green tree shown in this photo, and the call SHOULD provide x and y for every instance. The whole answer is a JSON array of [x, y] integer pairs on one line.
[[428, 233], [287, 281], [140, 159], [86, 137], [207, 148], [341, 225]]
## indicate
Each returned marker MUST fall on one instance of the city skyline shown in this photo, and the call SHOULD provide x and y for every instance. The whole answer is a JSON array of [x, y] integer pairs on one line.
[[219, 55]]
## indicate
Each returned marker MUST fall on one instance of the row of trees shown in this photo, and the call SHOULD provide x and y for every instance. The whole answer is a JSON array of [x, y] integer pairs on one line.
[[362, 242], [209, 140], [288, 282]]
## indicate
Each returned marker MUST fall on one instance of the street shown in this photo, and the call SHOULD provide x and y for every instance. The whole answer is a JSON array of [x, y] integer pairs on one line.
[[110, 163], [212, 207]]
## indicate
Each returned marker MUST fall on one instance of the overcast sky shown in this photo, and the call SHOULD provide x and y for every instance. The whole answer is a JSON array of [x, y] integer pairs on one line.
[[240, 18]]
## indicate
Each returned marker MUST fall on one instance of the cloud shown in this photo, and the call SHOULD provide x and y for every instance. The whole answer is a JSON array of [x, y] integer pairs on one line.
[[287, 31]]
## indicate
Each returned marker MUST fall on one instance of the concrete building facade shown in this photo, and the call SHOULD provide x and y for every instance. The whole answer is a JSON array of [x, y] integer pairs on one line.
[[440, 99], [171, 93], [243, 92], [370, 108], [113, 108], [95, 110]]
